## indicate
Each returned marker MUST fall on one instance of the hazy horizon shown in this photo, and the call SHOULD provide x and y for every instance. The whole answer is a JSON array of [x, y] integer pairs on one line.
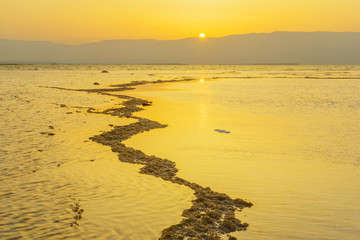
[[174, 39], [329, 48]]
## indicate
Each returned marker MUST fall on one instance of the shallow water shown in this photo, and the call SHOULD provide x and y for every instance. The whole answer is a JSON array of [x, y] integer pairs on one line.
[[42, 175], [292, 150]]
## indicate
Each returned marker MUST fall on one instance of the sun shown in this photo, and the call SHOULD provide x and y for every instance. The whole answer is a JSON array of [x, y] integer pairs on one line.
[[202, 35]]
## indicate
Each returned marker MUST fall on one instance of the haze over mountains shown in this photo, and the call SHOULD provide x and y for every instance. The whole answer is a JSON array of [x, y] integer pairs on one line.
[[256, 48]]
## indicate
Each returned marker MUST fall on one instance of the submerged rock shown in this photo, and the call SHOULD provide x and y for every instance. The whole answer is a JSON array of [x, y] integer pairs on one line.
[[146, 104], [47, 133], [221, 131]]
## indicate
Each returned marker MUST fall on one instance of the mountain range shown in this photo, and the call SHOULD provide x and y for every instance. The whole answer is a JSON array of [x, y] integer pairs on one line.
[[328, 48]]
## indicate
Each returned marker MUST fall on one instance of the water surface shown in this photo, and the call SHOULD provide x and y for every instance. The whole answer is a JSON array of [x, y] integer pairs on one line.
[[292, 150]]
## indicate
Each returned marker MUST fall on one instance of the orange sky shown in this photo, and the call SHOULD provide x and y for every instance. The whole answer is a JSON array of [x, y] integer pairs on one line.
[[82, 21]]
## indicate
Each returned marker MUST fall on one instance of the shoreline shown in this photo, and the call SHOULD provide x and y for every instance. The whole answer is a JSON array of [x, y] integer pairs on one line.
[[212, 214]]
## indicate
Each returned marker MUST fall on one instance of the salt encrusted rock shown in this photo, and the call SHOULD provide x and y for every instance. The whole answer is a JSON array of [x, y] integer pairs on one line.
[[212, 214]]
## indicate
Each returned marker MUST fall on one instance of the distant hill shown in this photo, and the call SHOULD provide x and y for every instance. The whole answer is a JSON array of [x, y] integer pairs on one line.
[[254, 48]]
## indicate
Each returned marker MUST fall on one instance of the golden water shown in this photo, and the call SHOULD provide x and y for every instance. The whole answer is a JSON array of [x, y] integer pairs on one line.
[[292, 150], [35, 193]]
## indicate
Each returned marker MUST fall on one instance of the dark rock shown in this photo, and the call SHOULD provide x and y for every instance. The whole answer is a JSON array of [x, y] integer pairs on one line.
[[146, 104], [47, 133], [221, 131]]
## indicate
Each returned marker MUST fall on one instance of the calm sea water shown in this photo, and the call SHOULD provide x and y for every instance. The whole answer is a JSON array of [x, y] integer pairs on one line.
[[292, 150]]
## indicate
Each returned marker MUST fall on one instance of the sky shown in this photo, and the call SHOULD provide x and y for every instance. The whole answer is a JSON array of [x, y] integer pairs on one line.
[[84, 21]]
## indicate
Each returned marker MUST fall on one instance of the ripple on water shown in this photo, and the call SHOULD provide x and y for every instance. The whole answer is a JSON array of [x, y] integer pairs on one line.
[[42, 174], [36, 205]]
